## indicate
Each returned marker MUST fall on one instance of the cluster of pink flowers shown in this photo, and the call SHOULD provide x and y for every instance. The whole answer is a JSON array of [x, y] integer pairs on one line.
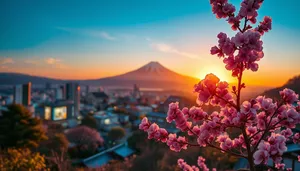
[[264, 125], [221, 8], [249, 47], [296, 138], [201, 163], [265, 25], [273, 148], [289, 96], [175, 114], [153, 130], [176, 144], [211, 91], [247, 42], [161, 134], [186, 167], [249, 9]]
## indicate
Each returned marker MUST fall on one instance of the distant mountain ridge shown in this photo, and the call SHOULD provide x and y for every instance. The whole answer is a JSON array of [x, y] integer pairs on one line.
[[151, 75], [7, 78], [293, 83]]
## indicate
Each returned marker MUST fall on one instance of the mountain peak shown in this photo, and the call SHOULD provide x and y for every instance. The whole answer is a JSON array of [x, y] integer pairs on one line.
[[153, 66]]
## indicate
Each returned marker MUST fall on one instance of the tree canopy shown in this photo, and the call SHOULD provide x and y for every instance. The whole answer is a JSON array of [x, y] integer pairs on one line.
[[116, 133], [19, 129], [89, 121]]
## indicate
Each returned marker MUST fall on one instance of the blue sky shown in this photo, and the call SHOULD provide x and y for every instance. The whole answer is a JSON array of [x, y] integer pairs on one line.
[[92, 39]]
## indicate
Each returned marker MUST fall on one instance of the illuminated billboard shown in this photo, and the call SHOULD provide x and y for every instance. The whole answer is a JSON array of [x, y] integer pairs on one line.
[[60, 113], [47, 113]]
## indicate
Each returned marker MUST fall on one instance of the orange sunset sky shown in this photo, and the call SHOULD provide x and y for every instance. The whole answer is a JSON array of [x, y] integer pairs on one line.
[[96, 40]]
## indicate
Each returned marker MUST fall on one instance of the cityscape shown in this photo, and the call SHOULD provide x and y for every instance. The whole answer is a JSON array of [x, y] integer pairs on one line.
[[149, 86]]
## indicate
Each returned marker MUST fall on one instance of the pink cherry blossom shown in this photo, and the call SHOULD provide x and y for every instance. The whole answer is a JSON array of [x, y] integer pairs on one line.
[[172, 112], [287, 133], [289, 96], [144, 125], [185, 167], [265, 25], [201, 164], [279, 166], [234, 22], [161, 135], [152, 130], [176, 144], [261, 156], [296, 138], [197, 113]]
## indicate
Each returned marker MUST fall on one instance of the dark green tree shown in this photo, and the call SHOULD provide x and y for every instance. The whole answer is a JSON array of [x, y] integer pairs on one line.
[[116, 133], [18, 128], [89, 121], [55, 143]]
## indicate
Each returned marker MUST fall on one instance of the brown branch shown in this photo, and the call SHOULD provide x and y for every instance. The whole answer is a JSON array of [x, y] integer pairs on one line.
[[268, 127], [226, 151], [232, 104]]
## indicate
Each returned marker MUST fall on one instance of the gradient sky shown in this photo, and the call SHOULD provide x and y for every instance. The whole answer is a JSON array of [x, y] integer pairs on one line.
[[75, 39]]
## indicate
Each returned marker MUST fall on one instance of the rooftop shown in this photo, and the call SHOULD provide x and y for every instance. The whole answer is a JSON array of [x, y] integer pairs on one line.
[[100, 95], [104, 157]]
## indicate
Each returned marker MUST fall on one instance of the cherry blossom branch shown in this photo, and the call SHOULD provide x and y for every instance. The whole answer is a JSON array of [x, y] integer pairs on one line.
[[239, 87], [226, 151], [230, 103], [268, 127]]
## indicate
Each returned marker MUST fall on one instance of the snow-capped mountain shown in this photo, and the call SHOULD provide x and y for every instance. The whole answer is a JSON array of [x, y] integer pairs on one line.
[[151, 75], [152, 71]]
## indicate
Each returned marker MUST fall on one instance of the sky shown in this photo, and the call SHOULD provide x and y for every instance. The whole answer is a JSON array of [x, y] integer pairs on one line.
[[81, 39]]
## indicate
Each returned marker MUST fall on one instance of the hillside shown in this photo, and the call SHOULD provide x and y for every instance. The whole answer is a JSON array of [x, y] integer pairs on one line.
[[293, 83]]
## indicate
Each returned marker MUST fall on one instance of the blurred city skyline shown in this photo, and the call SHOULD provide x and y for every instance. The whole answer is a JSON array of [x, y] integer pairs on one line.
[[80, 40]]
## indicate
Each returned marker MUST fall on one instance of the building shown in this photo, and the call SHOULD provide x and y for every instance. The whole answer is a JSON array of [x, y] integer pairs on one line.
[[106, 121], [22, 94], [136, 92], [98, 99], [119, 152], [60, 93], [183, 102], [48, 86], [73, 93], [57, 111], [160, 119]]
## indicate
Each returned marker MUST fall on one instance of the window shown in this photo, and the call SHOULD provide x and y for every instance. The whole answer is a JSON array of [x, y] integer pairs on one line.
[[60, 113], [107, 121], [47, 113]]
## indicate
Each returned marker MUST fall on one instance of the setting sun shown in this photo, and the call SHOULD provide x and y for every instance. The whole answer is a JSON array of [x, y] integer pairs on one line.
[[221, 73]]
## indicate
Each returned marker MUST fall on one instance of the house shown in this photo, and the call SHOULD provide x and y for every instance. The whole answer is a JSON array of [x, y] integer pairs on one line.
[[98, 99], [60, 111], [56, 111], [160, 119], [120, 151], [106, 121], [183, 102]]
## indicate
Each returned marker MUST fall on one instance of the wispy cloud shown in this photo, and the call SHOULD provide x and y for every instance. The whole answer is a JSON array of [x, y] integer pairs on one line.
[[170, 49], [52, 61], [5, 60], [90, 32], [56, 63], [103, 35]]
